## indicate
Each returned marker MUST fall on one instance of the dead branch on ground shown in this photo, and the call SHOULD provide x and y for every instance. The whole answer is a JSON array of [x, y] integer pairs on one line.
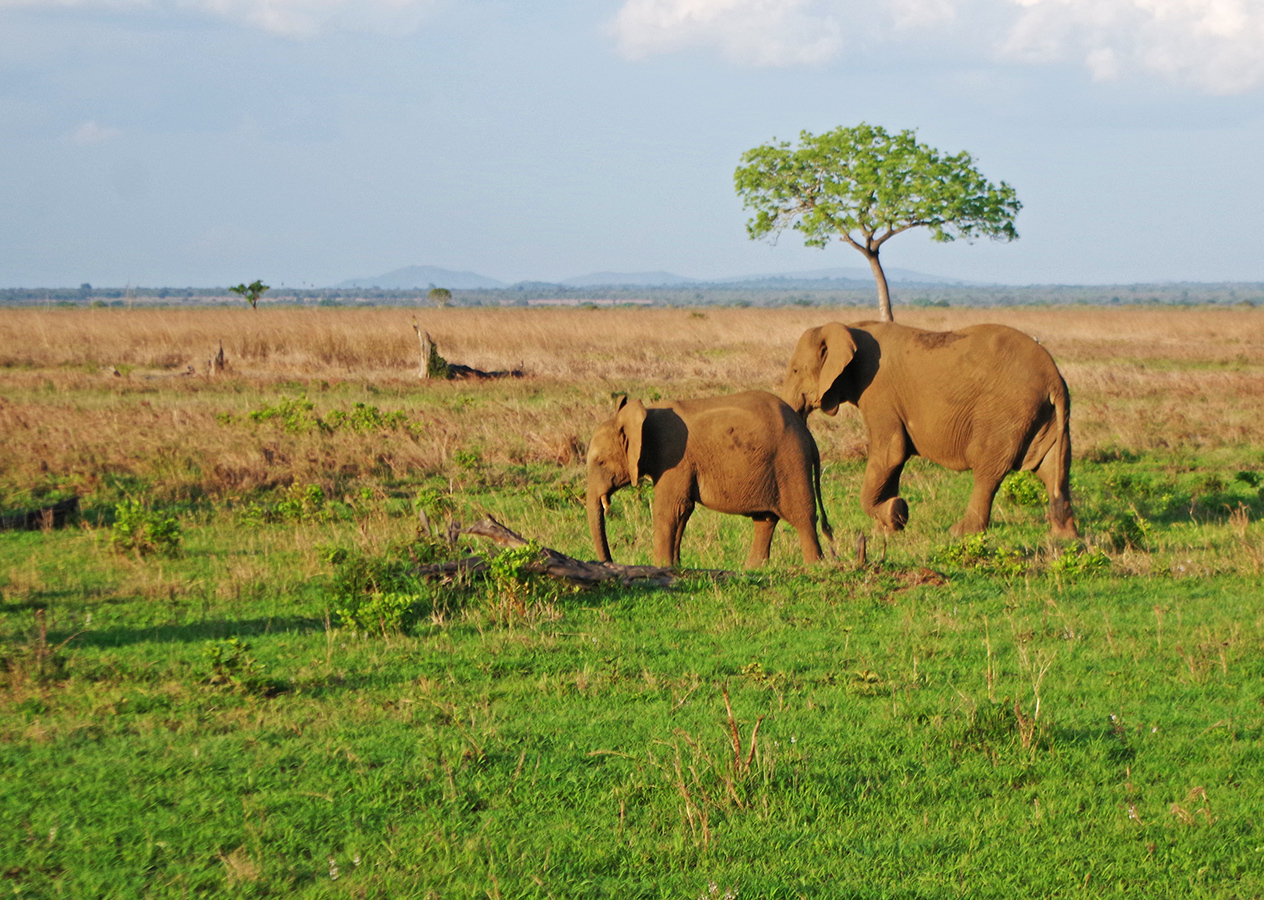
[[550, 562]]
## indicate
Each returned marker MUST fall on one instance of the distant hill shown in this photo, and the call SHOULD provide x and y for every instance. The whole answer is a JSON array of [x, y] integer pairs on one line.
[[636, 279], [422, 277]]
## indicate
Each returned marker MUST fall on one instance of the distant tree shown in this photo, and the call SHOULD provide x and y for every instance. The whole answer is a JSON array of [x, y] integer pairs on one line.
[[865, 186], [251, 292], [440, 297]]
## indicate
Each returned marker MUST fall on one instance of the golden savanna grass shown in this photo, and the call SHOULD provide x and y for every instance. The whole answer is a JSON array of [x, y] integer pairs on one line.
[[1148, 378]]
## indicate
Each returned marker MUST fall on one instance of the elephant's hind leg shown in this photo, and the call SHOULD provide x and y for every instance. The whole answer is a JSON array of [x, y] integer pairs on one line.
[[979, 511], [1057, 481], [765, 525]]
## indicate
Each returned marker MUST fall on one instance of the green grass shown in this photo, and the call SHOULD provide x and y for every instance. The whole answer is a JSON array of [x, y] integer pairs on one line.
[[989, 717], [1023, 732]]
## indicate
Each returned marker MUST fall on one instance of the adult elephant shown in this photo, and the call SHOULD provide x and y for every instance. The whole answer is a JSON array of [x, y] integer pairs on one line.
[[985, 398], [747, 454]]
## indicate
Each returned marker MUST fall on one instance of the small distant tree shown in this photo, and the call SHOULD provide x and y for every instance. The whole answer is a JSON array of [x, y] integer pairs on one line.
[[440, 297], [864, 186], [251, 292]]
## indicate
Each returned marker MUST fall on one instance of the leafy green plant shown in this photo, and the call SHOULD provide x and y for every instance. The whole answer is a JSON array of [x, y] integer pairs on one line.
[[230, 662], [515, 593], [384, 613], [382, 592], [1126, 529], [299, 504], [295, 414], [1080, 561], [1023, 489], [232, 666], [144, 531], [363, 418], [469, 460], [976, 552]]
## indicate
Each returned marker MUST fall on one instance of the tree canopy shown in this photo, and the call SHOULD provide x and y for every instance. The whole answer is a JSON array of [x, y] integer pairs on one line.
[[864, 186]]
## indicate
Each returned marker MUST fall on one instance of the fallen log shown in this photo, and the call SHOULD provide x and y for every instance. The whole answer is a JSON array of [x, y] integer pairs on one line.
[[46, 517], [550, 562]]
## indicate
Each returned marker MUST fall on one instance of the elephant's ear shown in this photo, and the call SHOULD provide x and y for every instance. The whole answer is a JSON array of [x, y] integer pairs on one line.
[[837, 349], [631, 422]]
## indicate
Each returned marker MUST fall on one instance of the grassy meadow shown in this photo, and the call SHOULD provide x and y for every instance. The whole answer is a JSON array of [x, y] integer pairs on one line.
[[226, 678]]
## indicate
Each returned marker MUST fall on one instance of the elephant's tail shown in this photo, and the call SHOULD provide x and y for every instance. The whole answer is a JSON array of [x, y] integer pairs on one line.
[[1060, 515], [826, 529]]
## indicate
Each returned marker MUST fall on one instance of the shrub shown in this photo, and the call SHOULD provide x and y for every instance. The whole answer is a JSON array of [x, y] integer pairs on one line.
[[387, 613], [1023, 489], [383, 593], [144, 531], [365, 418], [300, 504], [295, 413], [1080, 561], [976, 552]]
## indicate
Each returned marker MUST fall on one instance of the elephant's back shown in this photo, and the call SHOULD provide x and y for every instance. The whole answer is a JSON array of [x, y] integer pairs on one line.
[[748, 406]]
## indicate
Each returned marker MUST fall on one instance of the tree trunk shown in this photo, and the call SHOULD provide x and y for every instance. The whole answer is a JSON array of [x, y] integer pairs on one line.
[[884, 295]]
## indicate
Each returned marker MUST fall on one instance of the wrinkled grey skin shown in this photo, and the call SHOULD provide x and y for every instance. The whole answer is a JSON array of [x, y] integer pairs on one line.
[[747, 454], [985, 398]]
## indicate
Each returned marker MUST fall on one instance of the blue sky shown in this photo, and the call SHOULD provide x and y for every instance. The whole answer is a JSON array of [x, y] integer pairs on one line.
[[304, 142]]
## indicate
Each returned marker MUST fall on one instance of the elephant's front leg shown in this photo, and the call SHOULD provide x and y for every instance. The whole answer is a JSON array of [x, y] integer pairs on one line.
[[673, 505], [880, 496], [765, 525]]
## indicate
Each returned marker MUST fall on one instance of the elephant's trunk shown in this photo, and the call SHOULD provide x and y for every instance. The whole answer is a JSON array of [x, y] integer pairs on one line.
[[597, 503]]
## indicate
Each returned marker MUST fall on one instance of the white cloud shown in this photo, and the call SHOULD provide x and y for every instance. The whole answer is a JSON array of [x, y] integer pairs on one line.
[[1214, 45], [287, 18], [94, 133], [755, 32], [1211, 44]]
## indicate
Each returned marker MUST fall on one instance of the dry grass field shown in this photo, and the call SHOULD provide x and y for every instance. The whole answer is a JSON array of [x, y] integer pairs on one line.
[[1184, 380]]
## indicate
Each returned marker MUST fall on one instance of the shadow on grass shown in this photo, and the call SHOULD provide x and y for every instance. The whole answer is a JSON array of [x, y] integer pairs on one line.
[[192, 633]]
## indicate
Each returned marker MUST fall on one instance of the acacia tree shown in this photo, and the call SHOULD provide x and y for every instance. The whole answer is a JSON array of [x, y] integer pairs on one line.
[[251, 292], [865, 186]]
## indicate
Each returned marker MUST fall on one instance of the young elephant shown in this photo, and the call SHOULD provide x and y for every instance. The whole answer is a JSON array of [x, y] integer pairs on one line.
[[747, 454], [986, 398]]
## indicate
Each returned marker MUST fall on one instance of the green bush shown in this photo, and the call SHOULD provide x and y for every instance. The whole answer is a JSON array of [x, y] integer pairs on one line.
[[1080, 561], [365, 418], [298, 415], [300, 504], [144, 531], [295, 414], [1023, 489], [382, 613], [976, 552], [383, 592]]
